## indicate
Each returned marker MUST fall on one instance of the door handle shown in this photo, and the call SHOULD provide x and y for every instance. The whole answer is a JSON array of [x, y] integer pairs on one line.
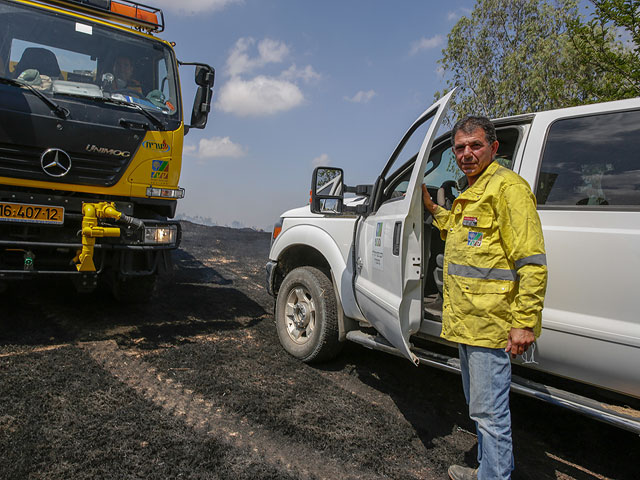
[[397, 230]]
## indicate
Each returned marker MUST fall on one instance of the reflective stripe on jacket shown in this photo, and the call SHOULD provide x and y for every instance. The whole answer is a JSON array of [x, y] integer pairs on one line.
[[495, 272]]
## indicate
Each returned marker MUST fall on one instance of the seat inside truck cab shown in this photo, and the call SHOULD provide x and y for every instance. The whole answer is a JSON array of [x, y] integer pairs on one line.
[[40, 59]]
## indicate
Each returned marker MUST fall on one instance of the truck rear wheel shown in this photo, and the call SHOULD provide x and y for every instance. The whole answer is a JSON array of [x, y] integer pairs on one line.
[[307, 316]]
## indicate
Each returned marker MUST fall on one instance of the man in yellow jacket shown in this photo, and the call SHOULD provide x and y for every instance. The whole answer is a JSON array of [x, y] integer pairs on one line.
[[495, 277]]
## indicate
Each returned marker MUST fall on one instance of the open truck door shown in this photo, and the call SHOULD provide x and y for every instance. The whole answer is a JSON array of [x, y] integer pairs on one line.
[[388, 244]]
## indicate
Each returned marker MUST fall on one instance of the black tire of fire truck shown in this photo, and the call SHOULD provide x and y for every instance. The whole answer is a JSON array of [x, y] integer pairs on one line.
[[130, 289], [306, 316]]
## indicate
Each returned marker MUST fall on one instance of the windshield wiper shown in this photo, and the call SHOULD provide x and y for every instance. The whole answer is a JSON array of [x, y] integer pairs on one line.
[[156, 121], [57, 109]]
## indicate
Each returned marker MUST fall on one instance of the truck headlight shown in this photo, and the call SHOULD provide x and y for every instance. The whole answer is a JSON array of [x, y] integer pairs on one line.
[[165, 192], [160, 235]]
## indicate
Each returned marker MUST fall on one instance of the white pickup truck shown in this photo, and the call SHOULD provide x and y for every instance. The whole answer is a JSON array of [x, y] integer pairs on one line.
[[368, 268]]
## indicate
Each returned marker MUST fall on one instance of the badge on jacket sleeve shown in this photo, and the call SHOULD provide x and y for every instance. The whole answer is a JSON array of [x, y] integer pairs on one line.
[[474, 239]]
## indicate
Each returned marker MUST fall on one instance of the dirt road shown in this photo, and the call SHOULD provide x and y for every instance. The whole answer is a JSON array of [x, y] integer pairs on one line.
[[196, 386]]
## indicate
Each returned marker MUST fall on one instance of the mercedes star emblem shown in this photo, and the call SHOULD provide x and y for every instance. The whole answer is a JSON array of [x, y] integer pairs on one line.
[[55, 162]]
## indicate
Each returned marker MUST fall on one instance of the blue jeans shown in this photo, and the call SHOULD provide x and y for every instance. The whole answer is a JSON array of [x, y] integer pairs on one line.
[[486, 380]]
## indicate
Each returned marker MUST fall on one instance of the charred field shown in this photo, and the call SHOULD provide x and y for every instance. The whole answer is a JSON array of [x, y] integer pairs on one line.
[[195, 385]]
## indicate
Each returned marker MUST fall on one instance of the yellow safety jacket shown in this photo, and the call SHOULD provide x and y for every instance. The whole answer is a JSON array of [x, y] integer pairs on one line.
[[495, 272]]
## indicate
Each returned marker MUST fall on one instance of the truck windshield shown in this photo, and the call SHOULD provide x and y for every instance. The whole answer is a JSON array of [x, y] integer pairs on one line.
[[60, 56]]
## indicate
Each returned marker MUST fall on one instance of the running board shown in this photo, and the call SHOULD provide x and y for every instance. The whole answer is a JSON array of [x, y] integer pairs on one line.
[[577, 403]]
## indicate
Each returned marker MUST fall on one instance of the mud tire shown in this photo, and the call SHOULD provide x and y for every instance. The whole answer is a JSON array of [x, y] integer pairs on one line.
[[307, 316]]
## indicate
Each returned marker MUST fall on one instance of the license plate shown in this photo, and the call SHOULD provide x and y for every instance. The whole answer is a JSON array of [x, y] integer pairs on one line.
[[19, 212]]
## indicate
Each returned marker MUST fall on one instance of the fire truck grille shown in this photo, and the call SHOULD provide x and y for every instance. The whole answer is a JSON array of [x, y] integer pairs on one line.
[[86, 169]]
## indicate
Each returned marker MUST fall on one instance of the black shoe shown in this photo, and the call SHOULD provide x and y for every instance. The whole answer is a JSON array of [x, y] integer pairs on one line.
[[457, 472]]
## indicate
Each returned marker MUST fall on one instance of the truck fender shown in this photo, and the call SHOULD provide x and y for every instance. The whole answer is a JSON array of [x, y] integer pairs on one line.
[[341, 271]]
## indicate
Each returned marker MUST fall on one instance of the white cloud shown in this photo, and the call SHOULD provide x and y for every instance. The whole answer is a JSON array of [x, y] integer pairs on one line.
[[263, 94], [361, 96], [321, 160], [216, 147], [190, 149], [307, 74], [272, 50], [426, 44], [259, 96], [269, 51], [191, 7]]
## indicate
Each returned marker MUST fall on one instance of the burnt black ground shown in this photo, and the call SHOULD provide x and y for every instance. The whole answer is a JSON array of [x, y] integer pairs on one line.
[[196, 385]]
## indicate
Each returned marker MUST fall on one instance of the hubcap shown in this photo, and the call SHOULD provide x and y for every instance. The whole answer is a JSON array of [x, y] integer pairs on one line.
[[300, 315]]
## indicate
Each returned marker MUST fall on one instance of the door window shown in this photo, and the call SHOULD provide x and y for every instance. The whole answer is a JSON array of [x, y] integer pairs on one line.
[[396, 183], [442, 167], [590, 161]]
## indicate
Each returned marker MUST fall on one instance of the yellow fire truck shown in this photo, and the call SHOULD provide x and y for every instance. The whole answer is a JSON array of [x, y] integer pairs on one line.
[[91, 137]]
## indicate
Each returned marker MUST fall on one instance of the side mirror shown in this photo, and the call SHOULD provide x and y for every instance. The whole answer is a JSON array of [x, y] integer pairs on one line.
[[201, 107], [205, 78], [327, 190]]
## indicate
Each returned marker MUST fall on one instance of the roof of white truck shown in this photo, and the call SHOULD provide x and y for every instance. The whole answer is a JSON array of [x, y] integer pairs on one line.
[[578, 110]]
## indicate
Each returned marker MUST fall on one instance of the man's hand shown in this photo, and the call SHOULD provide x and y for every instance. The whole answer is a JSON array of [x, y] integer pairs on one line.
[[426, 199], [519, 341]]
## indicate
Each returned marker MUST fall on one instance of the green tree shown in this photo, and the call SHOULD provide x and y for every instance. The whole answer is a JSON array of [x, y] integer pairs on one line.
[[610, 45], [515, 56]]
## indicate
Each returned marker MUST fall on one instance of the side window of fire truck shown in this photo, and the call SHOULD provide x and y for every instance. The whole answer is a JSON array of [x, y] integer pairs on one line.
[[163, 80], [165, 83]]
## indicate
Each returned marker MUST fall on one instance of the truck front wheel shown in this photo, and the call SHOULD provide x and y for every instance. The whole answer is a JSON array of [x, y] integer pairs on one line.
[[307, 316]]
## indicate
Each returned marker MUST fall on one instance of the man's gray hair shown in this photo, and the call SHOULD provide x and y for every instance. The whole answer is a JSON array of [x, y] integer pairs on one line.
[[470, 123]]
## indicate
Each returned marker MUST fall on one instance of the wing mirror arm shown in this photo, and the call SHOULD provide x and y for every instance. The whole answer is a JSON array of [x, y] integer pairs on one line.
[[360, 190], [357, 209]]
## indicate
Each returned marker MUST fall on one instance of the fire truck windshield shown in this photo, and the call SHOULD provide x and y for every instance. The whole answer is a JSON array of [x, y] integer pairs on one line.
[[64, 56]]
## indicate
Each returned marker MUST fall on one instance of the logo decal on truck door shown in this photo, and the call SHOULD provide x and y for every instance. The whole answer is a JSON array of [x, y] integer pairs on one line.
[[378, 252], [161, 147], [160, 170]]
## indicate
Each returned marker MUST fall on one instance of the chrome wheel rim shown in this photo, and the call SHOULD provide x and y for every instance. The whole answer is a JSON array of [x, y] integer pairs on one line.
[[300, 315]]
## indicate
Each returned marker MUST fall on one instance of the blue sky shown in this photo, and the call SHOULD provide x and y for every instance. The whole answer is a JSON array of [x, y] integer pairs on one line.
[[300, 83]]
